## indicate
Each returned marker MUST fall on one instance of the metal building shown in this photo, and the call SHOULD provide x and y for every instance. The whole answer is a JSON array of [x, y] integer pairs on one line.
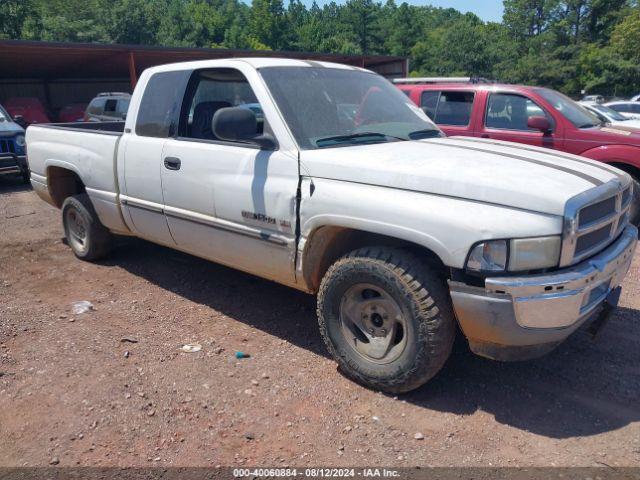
[[64, 73]]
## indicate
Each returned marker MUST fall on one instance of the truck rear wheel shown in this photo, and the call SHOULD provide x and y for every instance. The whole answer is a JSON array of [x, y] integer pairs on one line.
[[86, 236], [386, 318]]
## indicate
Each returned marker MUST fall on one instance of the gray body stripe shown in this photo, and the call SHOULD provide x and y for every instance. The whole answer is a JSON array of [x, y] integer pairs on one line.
[[584, 176], [258, 235], [554, 153]]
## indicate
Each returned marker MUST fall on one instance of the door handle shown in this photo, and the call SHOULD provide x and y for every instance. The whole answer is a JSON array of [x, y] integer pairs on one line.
[[172, 163], [485, 135]]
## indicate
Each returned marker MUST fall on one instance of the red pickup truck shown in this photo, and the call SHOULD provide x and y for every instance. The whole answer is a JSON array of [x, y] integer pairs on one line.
[[530, 115]]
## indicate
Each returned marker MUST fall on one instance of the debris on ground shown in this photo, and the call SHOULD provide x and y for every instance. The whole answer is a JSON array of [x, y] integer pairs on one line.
[[82, 306], [128, 340], [191, 347], [240, 355]]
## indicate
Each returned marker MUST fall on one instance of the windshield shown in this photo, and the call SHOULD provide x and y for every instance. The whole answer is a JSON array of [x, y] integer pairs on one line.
[[332, 107], [573, 111], [4, 116], [609, 113]]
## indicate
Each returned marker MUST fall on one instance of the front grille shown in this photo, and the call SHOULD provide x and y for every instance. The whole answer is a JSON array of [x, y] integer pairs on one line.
[[593, 220], [590, 240], [7, 146], [6, 162], [596, 212], [626, 197]]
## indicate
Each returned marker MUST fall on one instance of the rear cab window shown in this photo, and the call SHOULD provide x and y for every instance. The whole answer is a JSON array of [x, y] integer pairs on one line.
[[444, 107], [160, 104]]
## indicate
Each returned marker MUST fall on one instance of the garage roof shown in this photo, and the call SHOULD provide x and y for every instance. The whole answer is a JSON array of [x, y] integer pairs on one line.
[[57, 60]]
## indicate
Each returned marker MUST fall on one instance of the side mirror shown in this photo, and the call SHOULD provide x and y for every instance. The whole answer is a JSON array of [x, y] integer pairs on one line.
[[124, 116], [19, 119], [539, 123], [237, 124]]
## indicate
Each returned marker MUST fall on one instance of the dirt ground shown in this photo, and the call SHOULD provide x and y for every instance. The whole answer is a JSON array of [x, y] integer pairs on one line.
[[70, 394]]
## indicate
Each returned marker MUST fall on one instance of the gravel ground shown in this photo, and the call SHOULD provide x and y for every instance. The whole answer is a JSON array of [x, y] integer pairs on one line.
[[111, 387]]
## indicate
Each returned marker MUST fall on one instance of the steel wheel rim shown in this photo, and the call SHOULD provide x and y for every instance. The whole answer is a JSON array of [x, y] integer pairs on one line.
[[77, 230], [373, 323]]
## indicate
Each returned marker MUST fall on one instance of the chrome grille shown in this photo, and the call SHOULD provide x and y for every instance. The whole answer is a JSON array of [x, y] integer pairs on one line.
[[589, 240], [596, 212], [7, 146], [594, 219]]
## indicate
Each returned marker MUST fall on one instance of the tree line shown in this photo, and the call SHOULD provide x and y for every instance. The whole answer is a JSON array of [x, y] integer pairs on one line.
[[570, 45]]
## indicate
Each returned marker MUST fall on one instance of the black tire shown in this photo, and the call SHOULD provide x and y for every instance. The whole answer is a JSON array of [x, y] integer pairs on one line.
[[421, 294], [634, 211], [96, 241], [26, 176]]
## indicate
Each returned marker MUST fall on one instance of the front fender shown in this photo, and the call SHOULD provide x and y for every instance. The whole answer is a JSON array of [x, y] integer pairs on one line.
[[628, 154], [447, 226]]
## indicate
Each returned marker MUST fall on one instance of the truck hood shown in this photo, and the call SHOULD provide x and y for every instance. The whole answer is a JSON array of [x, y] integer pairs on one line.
[[627, 124], [7, 128], [625, 133], [503, 173]]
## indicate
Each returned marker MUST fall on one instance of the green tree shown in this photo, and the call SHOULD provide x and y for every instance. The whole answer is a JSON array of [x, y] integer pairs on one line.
[[268, 23], [362, 18]]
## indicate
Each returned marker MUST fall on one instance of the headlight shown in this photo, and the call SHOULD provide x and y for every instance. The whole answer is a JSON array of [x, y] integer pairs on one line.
[[490, 256], [534, 253], [20, 140], [521, 254]]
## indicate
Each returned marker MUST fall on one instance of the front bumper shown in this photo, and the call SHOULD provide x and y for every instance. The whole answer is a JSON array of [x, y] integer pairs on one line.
[[515, 318], [13, 163]]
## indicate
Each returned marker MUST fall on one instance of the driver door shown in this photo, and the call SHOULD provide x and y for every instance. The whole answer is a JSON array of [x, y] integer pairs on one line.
[[506, 117], [229, 202]]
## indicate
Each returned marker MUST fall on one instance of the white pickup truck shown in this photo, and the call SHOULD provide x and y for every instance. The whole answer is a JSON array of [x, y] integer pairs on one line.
[[326, 178]]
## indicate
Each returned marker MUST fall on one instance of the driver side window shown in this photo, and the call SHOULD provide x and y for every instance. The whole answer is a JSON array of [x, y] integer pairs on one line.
[[511, 112], [208, 92]]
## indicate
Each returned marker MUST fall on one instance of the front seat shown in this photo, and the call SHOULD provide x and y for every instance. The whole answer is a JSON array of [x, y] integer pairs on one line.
[[202, 116]]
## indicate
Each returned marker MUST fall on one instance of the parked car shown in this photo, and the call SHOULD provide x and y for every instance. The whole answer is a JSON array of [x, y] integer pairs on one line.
[[72, 113], [108, 107], [12, 147], [593, 98], [608, 115], [29, 109], [393, 234], [530, 115], [628, 109]]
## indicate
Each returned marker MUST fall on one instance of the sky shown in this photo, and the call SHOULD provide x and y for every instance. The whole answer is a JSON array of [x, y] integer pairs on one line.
[[488, 10]]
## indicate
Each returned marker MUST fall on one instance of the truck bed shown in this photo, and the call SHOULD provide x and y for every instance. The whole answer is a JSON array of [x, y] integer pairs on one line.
[[56, 152]]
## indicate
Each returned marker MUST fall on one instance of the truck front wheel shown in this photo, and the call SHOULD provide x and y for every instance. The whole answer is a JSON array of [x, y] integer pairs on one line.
[[85, 234], [634, 211], [386, 318]]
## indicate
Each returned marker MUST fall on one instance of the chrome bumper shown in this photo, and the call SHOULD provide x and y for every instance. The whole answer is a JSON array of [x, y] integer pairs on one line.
[[541, 309], [12, 163]]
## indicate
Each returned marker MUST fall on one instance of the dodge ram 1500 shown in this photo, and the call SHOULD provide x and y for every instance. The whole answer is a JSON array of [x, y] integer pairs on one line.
[[343, 188]]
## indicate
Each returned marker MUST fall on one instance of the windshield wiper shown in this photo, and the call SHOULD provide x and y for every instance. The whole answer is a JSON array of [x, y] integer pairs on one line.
[[590, 125], [355, 136], [426, 133]]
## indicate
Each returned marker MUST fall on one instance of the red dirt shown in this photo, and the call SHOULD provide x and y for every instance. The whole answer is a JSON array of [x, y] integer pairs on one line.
[[69, 393]]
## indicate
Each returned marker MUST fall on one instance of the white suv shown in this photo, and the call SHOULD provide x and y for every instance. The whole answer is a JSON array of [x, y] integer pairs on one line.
[[108, 107]]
